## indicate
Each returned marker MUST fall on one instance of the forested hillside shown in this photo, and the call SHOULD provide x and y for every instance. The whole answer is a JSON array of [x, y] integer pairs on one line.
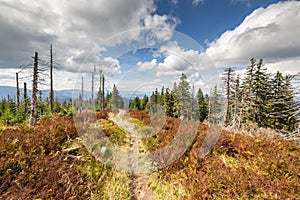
[[259, 98]]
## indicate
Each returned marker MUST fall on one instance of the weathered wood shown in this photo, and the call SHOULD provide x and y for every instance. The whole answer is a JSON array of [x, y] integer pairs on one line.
[[71, 149], [103, 91], [33, 116], [18, 91], [51, 81], [25, 99]]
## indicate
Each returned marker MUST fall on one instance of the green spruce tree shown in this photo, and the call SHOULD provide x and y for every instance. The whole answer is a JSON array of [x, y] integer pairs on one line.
[[116, 99], [135, 104], [202, 105], [262, 94], [184, 97]]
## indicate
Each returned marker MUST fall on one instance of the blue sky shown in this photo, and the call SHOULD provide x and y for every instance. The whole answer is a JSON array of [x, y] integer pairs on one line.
[[210, 19], [143, 44]]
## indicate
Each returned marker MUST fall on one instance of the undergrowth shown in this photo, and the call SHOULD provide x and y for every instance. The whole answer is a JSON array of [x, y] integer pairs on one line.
[[238, 167], [33, 165], [115, 134]]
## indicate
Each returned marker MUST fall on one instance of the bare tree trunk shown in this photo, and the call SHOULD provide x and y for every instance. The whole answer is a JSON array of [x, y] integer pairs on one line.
[[25, 99], [100, 90], [18, 91], [51, 81], [33, 116], [103, 91]]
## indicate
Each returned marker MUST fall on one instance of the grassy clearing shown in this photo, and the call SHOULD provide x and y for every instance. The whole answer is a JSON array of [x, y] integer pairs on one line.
[[115, 134], [109, 183], [150, 141], [167, 189]]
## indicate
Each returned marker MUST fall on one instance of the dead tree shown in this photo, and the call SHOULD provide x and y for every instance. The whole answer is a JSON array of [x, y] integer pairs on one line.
[[25, 99], [228, 81], [18, 91], [33, 116], [100, 90], [51, 81], [103, 91]]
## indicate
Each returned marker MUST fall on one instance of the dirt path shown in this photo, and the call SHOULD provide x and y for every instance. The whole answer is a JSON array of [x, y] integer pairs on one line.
[[137, 161]]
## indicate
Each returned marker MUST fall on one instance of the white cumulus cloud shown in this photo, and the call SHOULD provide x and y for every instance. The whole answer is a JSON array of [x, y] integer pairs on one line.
[[270, 33], [177, 60], [73, 27]]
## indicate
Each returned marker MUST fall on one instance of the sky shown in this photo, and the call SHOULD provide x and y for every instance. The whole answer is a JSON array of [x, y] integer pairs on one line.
[[140, 45]]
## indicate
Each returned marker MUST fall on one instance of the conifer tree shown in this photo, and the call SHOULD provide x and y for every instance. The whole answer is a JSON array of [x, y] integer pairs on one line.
[[216, 107], [246, 105], [184, 97], [161, 96], [202, 105], [289, 108], [156, 97], [135, 104], [229, 84], [168, 103], [262, 93], [174, 101], [281, 105], [116, 99], [236, 111], [107, 100], [144, 103]]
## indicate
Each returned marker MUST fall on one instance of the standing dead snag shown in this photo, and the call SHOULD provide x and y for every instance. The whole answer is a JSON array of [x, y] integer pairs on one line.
[[33, 116], [18, 91], [51, 81], [25, 98], [100, 91], [103, 79]]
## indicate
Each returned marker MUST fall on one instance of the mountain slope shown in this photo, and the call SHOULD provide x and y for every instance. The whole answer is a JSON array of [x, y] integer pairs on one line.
[[38, 162], [60, 95]]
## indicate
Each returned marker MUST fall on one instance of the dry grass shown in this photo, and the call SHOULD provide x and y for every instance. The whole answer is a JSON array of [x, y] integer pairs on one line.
[[33, 166], [238, 167]]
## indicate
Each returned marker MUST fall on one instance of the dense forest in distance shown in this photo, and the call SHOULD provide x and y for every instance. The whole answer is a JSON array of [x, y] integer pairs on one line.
[[260, 98]]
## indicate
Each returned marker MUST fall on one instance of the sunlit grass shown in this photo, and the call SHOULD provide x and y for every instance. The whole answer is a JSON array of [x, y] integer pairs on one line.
[[167, 189]]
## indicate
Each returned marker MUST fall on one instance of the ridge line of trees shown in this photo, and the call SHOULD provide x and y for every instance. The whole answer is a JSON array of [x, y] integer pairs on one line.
[[260, 99]]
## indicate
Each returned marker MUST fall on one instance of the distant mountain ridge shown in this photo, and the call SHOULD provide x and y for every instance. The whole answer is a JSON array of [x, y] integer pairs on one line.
[[60, 95], [66, 95]]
